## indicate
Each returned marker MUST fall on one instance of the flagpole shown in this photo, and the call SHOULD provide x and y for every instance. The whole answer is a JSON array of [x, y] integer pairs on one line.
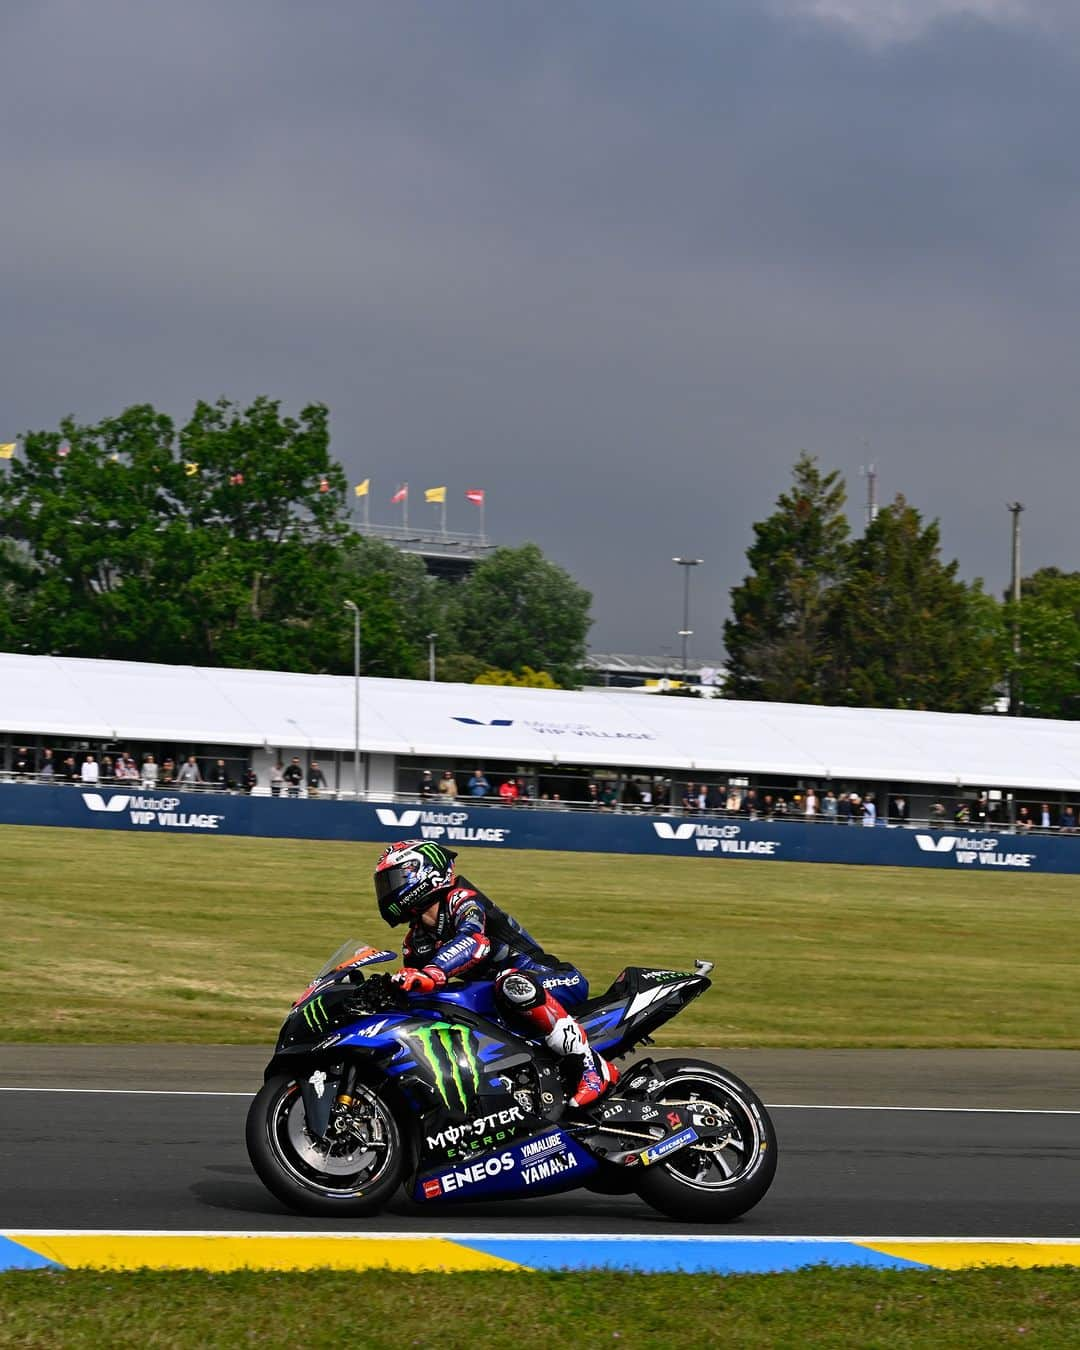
[[367, 508], [405, 509], [483, 536], [444, 513]]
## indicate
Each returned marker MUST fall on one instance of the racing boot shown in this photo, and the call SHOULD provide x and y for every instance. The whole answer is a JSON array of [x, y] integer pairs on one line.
[[566, 1036]]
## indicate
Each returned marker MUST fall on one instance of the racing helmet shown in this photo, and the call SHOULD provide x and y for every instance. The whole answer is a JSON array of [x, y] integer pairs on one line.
[[407, 876]]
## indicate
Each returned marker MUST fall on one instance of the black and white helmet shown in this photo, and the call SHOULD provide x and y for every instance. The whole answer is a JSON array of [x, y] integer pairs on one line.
[[407, 876]]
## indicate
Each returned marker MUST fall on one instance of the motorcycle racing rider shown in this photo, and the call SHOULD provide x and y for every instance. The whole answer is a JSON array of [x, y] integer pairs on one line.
[[456, 932]]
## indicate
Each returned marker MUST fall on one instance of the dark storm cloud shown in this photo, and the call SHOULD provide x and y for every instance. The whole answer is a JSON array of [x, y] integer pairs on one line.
[[616, 264]]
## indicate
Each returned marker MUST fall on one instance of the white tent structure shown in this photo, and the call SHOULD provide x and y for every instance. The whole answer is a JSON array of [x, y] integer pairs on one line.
[[67, 700]]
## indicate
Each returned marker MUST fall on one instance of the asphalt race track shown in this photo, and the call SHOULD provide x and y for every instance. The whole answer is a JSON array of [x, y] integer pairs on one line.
[[993, 1148]]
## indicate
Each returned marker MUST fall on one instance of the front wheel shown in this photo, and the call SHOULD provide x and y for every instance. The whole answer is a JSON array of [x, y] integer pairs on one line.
[[352, 1173], [731, 1166]]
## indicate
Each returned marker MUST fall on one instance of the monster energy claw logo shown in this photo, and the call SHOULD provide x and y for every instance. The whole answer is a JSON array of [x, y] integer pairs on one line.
[[456, 1045], [433, 853], [315, 1015]]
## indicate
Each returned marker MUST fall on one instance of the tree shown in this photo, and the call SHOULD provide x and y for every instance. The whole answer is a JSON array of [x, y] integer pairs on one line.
[[1049, 667], [223, 544], [904, 631], [775, 638], [517, 609], [528, 679]]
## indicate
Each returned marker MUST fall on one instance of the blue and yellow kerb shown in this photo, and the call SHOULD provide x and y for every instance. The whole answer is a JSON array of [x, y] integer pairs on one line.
[[75, 1250]]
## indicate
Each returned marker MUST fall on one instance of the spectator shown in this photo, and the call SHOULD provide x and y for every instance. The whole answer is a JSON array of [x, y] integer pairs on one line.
[[188, 775], [843, 808], [448, 786], [781, 807], [768, 806], [48, 768], [557, 803], [294, 776], [829, 806], [1046, 820], [631, 794], [750, 804], [105, 769], [1023, 819], [168, 770], [714, 799], [938, 814], [277, 780], [69, 769], [962, 814], [219, 776], [810, 805], [90, 772], [609, 798], [508, 792], [855, 812], [900, 810], [1068, 821], [427, 785], [120, 771], [690, 799], [981, 811], [592, 796], [869, 810], [249, 780], [645, 790], [149, 776], [523, 793], [316, 780], [479, 785], [22, 763]]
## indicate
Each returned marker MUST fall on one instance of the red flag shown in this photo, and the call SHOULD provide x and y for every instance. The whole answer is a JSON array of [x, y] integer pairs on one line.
[[475, 495], [400, 495]]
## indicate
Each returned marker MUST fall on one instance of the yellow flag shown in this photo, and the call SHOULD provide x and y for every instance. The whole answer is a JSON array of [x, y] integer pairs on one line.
[[436, 495], [191, 468], [6, 451], [361, 489]]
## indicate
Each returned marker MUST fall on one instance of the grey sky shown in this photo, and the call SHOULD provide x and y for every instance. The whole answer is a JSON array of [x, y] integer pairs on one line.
[[616, 263]]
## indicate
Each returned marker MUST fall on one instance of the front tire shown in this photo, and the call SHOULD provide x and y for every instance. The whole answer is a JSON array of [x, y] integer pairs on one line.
[[352, 1177], [732, 1168]]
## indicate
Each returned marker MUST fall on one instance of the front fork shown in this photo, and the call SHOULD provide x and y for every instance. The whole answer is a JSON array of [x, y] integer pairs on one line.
[[326, 1095]]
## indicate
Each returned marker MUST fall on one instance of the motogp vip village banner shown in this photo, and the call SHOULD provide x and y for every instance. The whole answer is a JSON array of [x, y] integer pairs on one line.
[[715, 839]]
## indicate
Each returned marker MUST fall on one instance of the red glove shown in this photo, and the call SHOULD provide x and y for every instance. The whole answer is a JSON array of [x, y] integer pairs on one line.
[[419, 981]]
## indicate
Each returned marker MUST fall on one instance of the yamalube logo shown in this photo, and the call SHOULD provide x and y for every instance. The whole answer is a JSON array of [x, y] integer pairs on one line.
[[973, 851], [715, 838], [160, 812], [448, 825]]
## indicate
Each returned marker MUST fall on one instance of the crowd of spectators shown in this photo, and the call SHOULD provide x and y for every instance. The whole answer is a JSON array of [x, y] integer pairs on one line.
[[641, 792]]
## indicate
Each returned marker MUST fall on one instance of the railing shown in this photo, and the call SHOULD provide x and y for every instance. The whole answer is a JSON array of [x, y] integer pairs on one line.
[[464, 802], [415, 534]]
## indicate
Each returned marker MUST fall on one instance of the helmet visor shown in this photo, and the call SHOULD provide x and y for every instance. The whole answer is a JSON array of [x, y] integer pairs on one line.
[[391, 884]]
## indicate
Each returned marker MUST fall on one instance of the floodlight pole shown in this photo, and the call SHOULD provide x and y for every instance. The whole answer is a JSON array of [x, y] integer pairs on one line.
[[1014, 674], [354, 610], [686, 632], [431, 656]]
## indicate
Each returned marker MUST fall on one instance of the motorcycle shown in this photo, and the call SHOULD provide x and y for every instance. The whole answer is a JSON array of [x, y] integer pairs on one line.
[[370, 1088]]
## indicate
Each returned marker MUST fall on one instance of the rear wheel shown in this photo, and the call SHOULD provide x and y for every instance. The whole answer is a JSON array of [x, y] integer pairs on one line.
[[731, 1166], [353, 1172]]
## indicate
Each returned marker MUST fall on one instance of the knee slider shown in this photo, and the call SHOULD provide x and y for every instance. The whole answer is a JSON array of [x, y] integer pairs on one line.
[[520, 990]]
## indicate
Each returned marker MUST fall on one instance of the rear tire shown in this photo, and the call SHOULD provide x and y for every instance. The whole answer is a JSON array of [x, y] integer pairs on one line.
[[711, 1182], [352, 1178]]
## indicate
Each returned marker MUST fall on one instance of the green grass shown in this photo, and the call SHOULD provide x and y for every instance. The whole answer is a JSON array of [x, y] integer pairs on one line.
[[124, 937], [819, 1308]]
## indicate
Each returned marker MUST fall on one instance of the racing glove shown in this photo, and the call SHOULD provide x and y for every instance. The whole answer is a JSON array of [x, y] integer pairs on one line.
[[419, 981]]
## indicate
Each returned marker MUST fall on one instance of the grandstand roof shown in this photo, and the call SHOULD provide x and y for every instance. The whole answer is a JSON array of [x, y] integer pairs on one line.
[[65, 697]]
